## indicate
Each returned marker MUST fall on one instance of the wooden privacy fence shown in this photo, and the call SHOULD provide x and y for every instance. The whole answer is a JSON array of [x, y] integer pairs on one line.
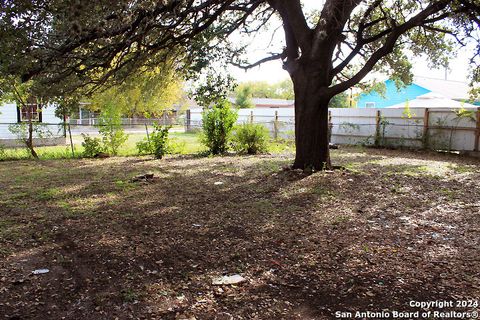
[[428, 128]]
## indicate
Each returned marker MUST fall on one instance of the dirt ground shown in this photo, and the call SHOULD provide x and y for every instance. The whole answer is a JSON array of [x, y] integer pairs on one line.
[[394, 227]]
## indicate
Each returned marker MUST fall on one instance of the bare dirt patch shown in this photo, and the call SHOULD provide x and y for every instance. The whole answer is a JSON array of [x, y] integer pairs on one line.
[[395, 226]]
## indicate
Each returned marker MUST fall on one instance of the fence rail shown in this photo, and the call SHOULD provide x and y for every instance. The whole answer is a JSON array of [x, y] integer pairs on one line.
[[50, 134], [166, 120], [428, 128]]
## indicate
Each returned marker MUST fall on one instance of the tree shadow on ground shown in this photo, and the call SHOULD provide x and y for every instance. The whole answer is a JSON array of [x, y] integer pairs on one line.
[[308, 246]]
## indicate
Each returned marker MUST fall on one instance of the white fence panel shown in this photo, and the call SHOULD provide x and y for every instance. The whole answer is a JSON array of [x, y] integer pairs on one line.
[[447, 129], [352, 126]]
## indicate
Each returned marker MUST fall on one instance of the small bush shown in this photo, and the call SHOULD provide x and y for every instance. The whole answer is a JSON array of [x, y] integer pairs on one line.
[[144, 147], [176, 146], [110, 127], [3, 153], [217, 126], [157, 143], [91, 146], [250, 138]]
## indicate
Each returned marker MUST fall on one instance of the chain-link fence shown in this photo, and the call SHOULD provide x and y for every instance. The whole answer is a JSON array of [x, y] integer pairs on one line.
[[50, 134], [438, 129]]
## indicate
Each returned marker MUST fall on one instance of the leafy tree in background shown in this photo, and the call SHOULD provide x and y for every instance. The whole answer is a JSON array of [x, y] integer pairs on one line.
[[263, 89], [341, 100], [258, 89], [213, 88], [280, 90], [243, 99], [284, 89], [325, 53], [147, 93]]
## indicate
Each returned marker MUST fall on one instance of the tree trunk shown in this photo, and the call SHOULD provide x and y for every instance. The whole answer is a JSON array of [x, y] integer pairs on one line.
[[311, 125], [29, 141]]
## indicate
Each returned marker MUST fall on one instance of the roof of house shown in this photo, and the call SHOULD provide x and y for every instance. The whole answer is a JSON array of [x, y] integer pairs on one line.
[[263, 102], [269, 103], [451, 89], [391, 96], [433, 100], [448, 89], [258, 102]]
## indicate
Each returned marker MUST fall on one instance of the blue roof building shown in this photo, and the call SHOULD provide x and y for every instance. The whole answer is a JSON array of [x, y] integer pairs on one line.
[[392, 96], [454, 90]]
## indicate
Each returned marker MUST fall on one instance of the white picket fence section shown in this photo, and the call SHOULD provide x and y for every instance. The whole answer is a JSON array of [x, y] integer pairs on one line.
[[431, 128]]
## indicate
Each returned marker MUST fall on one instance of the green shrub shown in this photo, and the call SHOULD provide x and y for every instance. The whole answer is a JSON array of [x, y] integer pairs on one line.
[[110, 127], [91, 146], [157, 143], [144, 147], [176, 146], [217, 126], [3, 153], [250, 138]]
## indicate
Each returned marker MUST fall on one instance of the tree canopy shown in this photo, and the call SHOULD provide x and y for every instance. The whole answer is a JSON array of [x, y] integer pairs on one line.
[[279, 90], [262, 89], [146, 93], [89, 42], [326, 51]]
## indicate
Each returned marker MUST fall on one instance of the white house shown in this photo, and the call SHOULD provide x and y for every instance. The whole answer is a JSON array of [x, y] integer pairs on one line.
[[11, 115]]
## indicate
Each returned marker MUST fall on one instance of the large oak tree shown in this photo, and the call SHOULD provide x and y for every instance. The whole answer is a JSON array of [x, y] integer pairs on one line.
[[326, 52]]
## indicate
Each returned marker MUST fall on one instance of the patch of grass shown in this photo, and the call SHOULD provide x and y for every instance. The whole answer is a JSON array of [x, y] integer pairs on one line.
[[183, 143], [269, 166], [460, 168], [323, 192], [408, 170], [18, 196], [263, 206], [124, 185], [338, 220], [48, 194], [450, 194], [281, 146], [10, 230], [64, 205], [128, 295], [397, 188], [353, 167]]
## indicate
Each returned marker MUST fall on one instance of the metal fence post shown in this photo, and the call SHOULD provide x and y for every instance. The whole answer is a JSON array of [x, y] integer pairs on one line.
[[330, 126], [187, 120], [251, 116], [148, 135], [477, 137], [426, 120], [71, 141], [378, 118]]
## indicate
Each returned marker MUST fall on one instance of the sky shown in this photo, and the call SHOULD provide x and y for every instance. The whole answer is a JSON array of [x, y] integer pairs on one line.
[[272, 71]]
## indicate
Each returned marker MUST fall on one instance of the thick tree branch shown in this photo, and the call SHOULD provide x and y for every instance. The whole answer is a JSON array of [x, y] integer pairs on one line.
[[294, 22], [273, 57]]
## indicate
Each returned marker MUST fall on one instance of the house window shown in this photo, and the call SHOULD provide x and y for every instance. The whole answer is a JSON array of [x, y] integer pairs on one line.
[[30, 110], [370, 105]]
